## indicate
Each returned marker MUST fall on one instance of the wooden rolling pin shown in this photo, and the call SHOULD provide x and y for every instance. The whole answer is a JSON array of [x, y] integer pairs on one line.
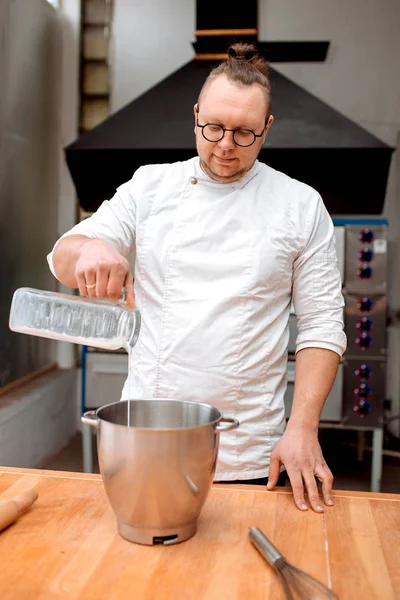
[[13, 508]]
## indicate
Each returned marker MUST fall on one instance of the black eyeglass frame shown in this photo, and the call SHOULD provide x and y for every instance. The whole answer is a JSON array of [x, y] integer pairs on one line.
[[224, 129]]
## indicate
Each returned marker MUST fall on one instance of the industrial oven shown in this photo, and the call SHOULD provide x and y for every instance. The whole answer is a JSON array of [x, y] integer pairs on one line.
[[357, 396]]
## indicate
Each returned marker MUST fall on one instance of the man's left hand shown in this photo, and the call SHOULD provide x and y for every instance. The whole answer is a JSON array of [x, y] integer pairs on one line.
[[300, 452]]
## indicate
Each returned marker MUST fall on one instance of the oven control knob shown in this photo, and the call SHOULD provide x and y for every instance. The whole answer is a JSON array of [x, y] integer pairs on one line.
[[364, 324], [364, 341], [365, 255], [365, 305], [366, 236], [364, 272], [363, 372], [362, 408], [362, 391]]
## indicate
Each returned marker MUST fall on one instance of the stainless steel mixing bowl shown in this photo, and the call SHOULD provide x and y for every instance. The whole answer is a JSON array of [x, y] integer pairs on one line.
[[157, 469]]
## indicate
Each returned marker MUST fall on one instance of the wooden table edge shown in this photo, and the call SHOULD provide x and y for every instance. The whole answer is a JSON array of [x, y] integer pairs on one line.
[[222, 486], [49, 473], [288, 490]]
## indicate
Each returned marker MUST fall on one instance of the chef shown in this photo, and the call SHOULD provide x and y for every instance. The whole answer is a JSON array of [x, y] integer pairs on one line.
[[223, 246]]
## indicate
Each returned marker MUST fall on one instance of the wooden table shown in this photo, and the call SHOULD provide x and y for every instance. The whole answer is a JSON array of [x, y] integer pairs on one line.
[[67, 546]]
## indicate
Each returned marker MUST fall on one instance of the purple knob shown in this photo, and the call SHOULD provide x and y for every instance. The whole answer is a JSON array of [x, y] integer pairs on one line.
[[363, 372], [362, 408], [364, 341], [362, 391], [365, 304], [366, 236], [365, 255], [364, 272], [364, 324]]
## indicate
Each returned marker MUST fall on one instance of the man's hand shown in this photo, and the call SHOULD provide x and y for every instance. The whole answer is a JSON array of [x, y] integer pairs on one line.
[[300, 452], [101, 272]]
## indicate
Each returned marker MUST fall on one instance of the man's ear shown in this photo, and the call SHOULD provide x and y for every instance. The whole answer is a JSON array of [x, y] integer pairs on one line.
[[195, 112], [267, 126], [269, 122]]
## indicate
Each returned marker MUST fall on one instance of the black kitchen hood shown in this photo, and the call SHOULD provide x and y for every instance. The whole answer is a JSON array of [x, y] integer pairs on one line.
[[309, 141]]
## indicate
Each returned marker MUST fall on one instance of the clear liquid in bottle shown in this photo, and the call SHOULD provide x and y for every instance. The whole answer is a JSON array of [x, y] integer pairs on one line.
[[68, 318]]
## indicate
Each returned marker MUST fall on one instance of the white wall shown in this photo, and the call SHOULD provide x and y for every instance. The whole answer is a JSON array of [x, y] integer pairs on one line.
[[361, 74], [39, 421], [150, 41]]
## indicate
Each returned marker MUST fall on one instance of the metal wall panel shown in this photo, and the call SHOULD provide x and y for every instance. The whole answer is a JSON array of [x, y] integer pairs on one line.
[[363, 396], [365, 325], [367, 275], [30, 39]]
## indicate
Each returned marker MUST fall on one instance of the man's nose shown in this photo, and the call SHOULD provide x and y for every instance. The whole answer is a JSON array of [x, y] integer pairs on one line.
[[227, 142]]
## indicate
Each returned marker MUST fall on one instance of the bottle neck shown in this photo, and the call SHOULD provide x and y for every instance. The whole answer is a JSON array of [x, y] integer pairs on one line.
[[129, 327]]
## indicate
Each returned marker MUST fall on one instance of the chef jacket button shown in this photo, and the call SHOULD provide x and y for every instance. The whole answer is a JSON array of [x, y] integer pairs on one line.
[[193, 181]]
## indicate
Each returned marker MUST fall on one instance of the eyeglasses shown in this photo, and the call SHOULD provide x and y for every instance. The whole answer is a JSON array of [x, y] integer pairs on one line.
[[214, 133]]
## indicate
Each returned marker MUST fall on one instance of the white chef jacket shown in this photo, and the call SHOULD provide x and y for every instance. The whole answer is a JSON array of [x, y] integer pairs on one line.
[[217, 266]]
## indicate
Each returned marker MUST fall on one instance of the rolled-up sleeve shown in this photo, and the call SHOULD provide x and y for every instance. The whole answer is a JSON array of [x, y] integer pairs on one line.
[[317, 287], [114, 221]]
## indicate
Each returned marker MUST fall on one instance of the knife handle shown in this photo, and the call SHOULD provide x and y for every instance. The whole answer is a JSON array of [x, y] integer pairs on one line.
[[13, 508]]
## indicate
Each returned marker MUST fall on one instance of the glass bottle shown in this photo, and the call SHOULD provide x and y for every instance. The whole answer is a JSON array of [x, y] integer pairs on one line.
[[87, 321]]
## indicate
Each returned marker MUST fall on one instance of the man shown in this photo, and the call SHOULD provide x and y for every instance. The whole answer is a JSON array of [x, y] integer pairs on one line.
[[223, 245]]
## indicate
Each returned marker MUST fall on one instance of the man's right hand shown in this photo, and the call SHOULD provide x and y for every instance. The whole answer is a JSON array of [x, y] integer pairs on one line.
[[102, 272]]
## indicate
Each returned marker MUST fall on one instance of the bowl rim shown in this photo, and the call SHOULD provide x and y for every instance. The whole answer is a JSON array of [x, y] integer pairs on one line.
[[159, 400]]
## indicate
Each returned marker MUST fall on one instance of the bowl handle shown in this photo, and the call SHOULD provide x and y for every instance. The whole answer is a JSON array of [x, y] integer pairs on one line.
[[90, 418], [232, 424]]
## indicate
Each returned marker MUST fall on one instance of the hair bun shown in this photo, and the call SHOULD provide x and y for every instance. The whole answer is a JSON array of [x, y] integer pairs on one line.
[[242, 52], [244, 66]]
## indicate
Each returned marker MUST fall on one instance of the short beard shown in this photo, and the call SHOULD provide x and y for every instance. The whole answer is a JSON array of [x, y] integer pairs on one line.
[[222, 178]]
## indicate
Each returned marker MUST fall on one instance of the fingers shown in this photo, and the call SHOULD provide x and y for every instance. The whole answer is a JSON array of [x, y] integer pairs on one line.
[[274, 469], [106, 281], [102, 277], [300, 452], [90, 283], [312, 491], [116, 282], [130, 294], [306, 477], [81, 281], [296, 481], [325, 476], [101, 272]]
